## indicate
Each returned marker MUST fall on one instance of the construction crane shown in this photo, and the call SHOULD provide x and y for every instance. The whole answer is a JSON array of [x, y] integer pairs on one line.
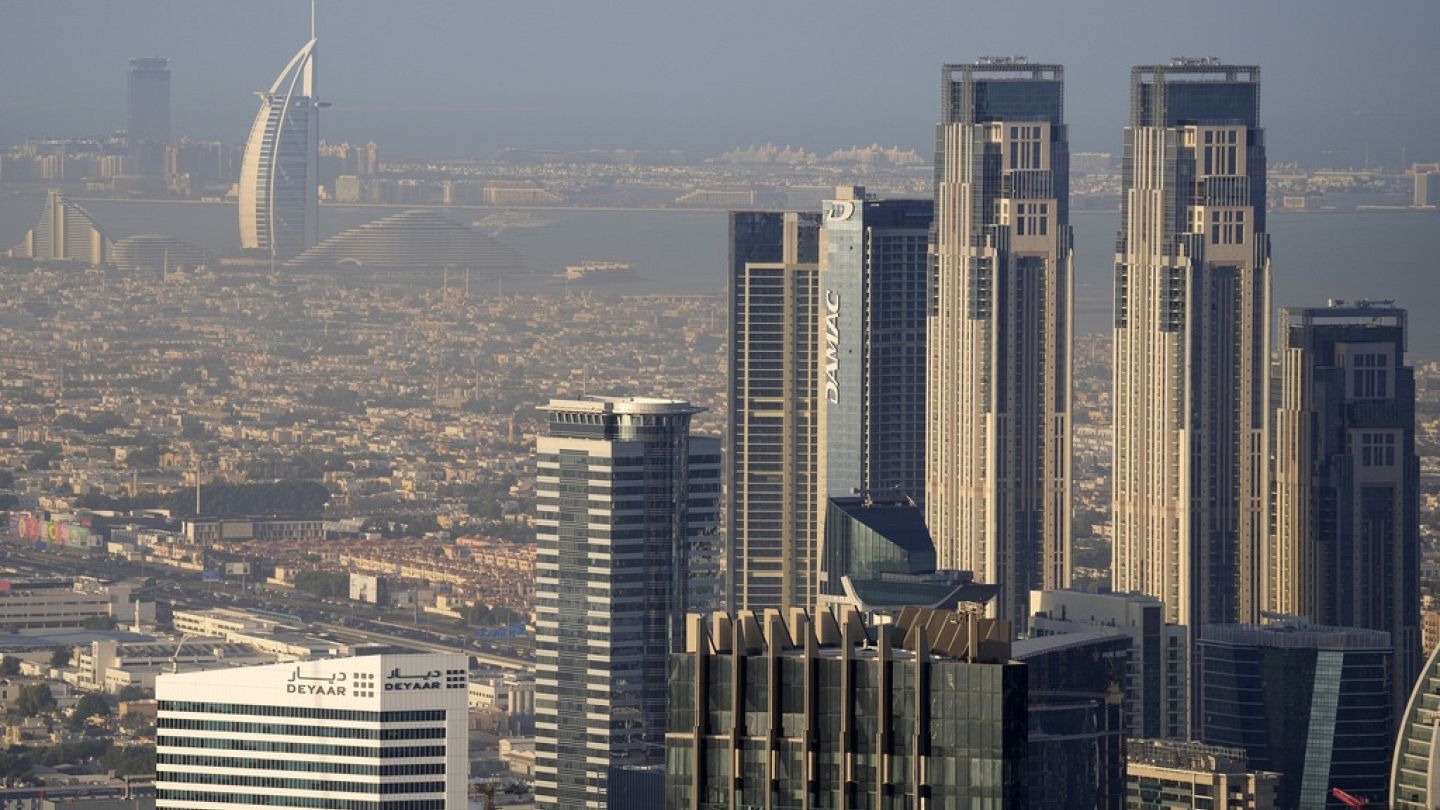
[[1347, 799]]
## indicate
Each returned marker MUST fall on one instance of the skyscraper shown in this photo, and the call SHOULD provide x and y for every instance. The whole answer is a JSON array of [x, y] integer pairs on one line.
[[1192, 298], [627, 507], [997, 473], [1310, 703], [1346, 548], [279, 175], [874, 271], [1077, 719], [823, 711], [772, 520], [377, 730], [147, 103], [147, 100]]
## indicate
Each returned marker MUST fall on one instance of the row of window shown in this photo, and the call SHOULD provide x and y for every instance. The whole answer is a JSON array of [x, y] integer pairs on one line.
[[343, 768], [165, 796], [284, 783], [302, 731], [303, 712], [316, 749]]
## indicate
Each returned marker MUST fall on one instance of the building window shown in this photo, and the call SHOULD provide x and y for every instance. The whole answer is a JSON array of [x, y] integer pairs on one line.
[[1377, 449], [1370, 376]]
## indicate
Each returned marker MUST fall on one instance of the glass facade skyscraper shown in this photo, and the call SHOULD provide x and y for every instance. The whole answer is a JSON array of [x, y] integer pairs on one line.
[[1346, 546], [627, 507], [824, 712], [773, 515], [1310, 703], [997, 491], [1077, 719], [147, 100], [874, 271]]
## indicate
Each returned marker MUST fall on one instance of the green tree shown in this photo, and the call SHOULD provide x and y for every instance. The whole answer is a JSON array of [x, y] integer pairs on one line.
[[10, 667], [89, 706], [132, 692], [61, 657], [129, 759], [324, 584], [34, 699]]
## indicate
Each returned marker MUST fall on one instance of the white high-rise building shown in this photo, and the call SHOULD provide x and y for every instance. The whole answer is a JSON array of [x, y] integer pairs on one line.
[[369, 731], [279, 175], [627, 510]]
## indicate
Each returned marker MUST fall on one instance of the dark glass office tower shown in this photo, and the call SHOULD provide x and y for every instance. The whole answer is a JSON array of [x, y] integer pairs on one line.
[[626, 511], [1077, 718], [828, 713], [997, 491], [772, 521], [1346, 546], [874, 271], [1192, 304], [148, 100], [1311, 703]]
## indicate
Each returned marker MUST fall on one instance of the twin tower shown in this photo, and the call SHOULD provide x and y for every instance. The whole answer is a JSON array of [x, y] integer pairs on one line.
[[947, 373]]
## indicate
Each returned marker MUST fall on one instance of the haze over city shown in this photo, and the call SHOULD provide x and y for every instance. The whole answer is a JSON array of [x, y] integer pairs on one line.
[[653, 406], [444, 79]]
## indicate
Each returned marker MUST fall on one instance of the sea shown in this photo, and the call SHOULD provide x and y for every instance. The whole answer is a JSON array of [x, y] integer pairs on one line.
[[1316, 256]]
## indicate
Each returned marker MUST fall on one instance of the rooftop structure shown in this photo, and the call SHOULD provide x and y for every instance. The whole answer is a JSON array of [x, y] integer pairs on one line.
[[871, 702], [1167, 775]]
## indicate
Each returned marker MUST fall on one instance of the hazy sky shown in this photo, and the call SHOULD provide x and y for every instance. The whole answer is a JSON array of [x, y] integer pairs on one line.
[[461, 78]]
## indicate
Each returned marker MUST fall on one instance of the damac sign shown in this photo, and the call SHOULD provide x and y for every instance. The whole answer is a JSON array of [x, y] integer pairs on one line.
[[832, 346]]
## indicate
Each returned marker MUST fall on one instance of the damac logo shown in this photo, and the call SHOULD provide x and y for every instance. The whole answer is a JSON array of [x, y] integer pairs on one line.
[[832, 346]]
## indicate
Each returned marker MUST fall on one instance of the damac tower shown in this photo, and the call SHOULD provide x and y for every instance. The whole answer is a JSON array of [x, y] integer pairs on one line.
[[1192, 302], [997, 493]]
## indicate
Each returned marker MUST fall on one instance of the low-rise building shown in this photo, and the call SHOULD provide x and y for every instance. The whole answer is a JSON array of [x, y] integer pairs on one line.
[[68, 603], [1170, 775]]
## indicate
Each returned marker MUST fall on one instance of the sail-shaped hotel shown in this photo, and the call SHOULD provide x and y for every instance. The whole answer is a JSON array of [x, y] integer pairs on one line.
[[279, 193]]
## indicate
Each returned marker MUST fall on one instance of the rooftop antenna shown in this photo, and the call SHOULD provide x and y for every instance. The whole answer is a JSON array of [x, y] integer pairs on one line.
[[312, 19]]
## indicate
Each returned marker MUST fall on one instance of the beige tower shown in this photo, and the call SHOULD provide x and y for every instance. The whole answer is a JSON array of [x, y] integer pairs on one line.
[[997, 493], [1192, 303]]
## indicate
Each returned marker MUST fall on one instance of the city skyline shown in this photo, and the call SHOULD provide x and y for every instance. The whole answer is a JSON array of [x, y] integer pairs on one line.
[[536, 477]]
